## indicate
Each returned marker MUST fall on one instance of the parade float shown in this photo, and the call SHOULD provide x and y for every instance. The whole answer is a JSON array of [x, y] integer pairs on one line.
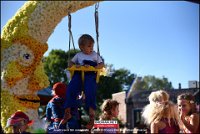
[[23, 43]]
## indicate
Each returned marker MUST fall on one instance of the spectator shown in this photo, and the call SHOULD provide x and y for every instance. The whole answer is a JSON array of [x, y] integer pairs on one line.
[[55, 108], [110, 109], [19, 122], [188, 113], [161, 114]]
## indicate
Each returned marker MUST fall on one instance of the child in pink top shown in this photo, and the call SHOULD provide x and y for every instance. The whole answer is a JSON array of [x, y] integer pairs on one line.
[[161, 114]]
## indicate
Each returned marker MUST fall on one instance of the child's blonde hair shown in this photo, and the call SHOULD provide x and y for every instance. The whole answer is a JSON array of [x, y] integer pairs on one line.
[[107, 107], [160, 107], [85, 39]]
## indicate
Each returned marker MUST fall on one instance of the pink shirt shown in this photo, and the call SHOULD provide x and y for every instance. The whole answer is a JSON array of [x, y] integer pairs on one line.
[[172, 128]]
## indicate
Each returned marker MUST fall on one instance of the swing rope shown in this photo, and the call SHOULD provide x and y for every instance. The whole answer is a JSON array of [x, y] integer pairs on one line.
[[71, 39], [96, 15]]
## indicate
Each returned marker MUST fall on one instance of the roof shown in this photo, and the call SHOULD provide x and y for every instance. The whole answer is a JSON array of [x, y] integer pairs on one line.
[[45, 92], [45, 95]]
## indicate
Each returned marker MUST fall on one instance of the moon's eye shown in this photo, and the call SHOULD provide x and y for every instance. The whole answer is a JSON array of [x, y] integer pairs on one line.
[[26, 56]]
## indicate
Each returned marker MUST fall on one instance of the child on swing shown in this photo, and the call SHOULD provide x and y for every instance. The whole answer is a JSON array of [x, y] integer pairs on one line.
[[188, 113], [87, 57]]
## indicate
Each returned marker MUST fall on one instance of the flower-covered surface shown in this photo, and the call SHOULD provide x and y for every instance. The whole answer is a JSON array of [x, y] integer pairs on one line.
[[23, 43], [8, 107]]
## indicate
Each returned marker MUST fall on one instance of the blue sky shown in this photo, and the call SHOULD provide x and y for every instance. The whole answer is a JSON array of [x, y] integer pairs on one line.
[[148, 38]]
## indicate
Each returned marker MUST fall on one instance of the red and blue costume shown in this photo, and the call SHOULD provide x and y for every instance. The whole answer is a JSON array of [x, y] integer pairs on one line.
[[55, 111], [55, 107]]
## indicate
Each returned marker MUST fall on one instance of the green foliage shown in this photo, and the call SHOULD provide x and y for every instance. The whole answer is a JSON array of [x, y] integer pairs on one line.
[[39, 131], [125, 77], [106, 87], [116, 81], [151, 82]]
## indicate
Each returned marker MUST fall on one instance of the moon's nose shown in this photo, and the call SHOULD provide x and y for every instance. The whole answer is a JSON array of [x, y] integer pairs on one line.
[[12, 74], [39, 79]]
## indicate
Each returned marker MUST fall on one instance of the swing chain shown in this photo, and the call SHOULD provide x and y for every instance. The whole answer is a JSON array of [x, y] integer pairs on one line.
[[96, 14], [69, 22], [96, 6], [69, 29], [70, 36]]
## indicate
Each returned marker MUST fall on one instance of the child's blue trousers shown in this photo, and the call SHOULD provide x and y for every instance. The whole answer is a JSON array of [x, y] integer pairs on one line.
[[75, 87]]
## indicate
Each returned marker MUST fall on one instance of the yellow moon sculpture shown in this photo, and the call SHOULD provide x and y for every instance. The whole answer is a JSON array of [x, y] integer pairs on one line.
[[23, 43]]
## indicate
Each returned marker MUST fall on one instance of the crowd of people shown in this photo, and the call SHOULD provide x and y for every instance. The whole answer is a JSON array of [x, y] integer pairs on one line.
[[62, 111], [161, 115]]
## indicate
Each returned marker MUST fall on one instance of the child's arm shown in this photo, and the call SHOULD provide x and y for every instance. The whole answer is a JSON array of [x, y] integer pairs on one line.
[[100, 65], [48, 112], [72, 63], [193, 125]]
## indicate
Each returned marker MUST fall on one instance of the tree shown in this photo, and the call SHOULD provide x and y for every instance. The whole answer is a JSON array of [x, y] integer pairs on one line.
[[106, 87], [115, 81], [55, 65], [151, 82], [124, 77]]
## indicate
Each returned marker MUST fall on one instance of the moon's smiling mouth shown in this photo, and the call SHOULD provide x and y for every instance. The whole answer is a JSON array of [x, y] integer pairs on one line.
[[34, 101], [30, 101]]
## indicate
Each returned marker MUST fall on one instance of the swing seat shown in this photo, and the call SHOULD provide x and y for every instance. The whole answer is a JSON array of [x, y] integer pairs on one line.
[[83, 69]]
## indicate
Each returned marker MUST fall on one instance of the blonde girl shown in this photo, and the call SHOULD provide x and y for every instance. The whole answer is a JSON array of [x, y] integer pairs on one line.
[[161, 114], [188, 113]]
